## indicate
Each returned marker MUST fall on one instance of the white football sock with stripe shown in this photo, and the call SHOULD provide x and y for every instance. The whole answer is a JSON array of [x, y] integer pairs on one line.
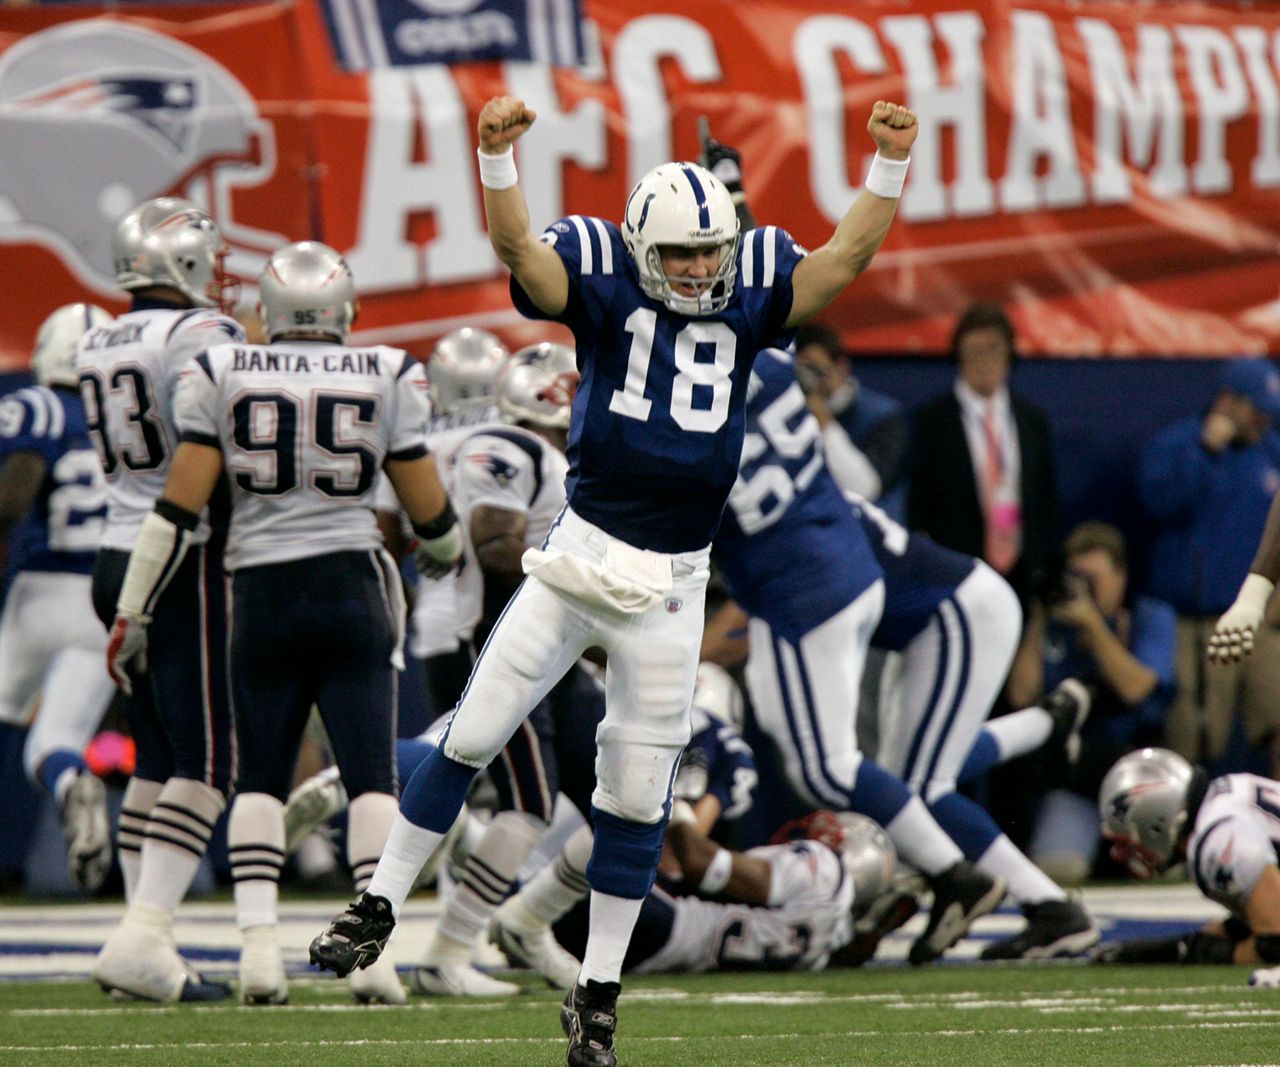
[[139, 797], [485, 882], [555, 889], [369, 821], [178, 832], [255, 840]]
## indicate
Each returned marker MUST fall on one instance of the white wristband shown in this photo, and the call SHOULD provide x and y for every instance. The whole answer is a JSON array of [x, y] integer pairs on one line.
[[157, 552], [497, 172], [886, 177], [1254, 593], [718, 871]]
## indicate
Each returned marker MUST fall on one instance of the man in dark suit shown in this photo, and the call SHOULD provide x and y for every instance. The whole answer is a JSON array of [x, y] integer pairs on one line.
[[982, 467]]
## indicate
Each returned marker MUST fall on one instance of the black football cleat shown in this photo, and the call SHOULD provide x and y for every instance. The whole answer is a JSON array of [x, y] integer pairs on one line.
[[1054, 928], [355, 938], [589, 1017], [961, 894]]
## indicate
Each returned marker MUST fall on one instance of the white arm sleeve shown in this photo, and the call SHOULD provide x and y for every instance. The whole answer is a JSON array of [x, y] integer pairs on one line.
[[850, 468], [197, 408], [408, 438]]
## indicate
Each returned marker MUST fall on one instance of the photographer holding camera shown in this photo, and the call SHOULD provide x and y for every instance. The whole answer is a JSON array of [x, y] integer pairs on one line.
[[1085, 624]]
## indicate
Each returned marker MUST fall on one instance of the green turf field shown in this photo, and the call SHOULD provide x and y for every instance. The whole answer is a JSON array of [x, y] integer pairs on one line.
[[947, 1015]]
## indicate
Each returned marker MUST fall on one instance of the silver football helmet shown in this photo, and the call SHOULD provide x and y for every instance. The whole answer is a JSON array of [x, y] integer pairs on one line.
[[868, 855], [538, 385], [1143, 802], [169, 241], [306, 290], [686, 205], [463, 370], [54, 360], [716, 693]]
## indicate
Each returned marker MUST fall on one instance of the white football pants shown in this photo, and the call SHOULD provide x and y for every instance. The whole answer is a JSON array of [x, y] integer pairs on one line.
[[653, 661], [952, 672], [805, 696], [53, 646]]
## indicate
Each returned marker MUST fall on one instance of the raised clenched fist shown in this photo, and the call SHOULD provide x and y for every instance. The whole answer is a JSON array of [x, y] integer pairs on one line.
[[894, 129], [503, 120]]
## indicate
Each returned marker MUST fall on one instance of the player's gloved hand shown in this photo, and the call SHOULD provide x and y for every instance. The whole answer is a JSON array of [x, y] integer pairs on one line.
[[1265, 978], [725, 162], [127, 649], [437, 546], [1196, 947], [1232, 639]]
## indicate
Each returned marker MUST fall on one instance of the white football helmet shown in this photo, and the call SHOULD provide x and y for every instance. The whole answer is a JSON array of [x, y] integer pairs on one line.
[[306, 290], [716, 693], [686, 205], [463, 368], [54, 360], [538, 385], [169, 241], [1143, 802]]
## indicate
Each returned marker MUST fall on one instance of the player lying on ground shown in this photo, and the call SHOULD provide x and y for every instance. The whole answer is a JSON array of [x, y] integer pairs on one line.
[[1158, 810]]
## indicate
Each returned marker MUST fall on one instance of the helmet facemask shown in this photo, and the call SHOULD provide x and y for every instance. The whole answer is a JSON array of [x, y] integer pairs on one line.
[[711, 294]]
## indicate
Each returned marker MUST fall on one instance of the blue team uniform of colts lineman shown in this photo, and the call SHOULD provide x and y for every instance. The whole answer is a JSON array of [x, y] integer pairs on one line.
[[50, 642], [653, 448], [956, 625], [799, 561]]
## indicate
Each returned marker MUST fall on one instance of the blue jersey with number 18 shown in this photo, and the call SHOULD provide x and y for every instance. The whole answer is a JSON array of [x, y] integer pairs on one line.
[[657, 424]]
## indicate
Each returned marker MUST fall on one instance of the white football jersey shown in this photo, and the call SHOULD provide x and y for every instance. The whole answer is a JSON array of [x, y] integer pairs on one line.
[[509, 468], [808, 918], [1236, 837], [128, 372], [304, 428]]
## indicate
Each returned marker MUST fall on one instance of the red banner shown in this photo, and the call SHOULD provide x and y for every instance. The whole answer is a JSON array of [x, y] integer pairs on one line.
[[1109, 172]]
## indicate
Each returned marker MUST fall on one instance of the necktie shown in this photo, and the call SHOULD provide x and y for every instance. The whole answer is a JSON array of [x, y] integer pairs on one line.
[[1003, 540]]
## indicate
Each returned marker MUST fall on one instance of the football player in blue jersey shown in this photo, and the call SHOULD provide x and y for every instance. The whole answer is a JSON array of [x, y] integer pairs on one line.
[[955, 624], [810, 626], [53, 502], [668, 311]]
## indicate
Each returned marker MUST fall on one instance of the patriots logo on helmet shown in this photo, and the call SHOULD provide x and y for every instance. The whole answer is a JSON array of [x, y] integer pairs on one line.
[[501, 471]]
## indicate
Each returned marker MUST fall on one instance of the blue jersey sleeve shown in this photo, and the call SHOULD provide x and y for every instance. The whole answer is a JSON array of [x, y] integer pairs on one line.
[[32, 420], [767, 259], [591, 251]]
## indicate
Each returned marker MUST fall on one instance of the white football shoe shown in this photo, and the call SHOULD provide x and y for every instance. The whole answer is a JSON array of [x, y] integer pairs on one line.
[[378, 983], [1265, 978], [141, 961], [262, 978], [87, 829], [458, 980], [312, 804], [539, 951]]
